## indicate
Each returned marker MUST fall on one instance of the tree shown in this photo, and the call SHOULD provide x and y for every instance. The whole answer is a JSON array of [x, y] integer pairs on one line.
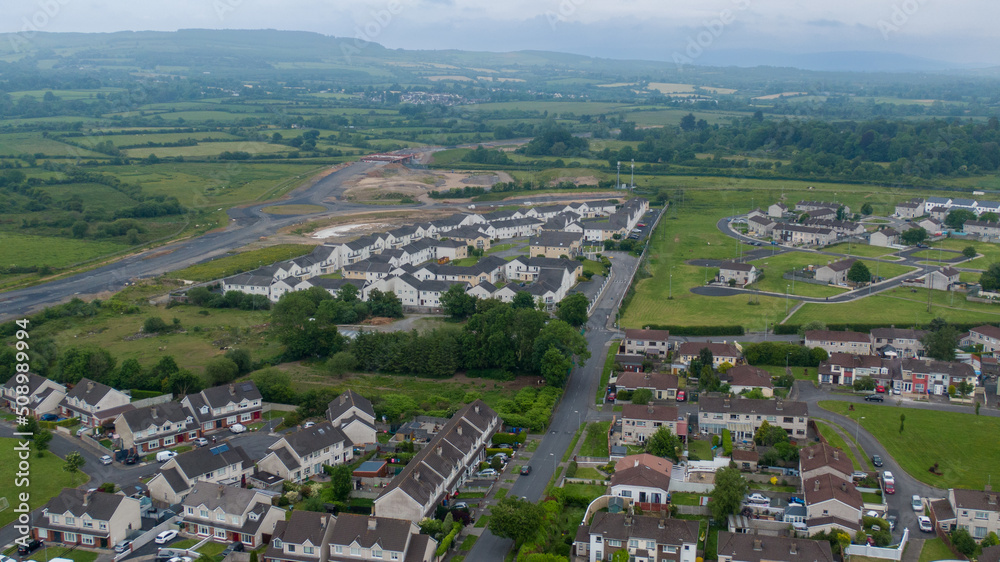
[[990, 279], [969, 251], [991, 539], [555, 367], [341, 482], [621, 555], [274, 386], [244, 363], [642, 396], [867, 209], [705, 357], [940, 343], [859, 273], [573, 309], [914, 236], [341, 362], [74, 461], [989, 217], [965, 388], [688, 122], [963, 541], [902, 420], [304, 332], [220, 370], [663, 443], [183, 382], [956, 218], [155, 325], [727, 497], [29, 427], [80, 229], [42, 440], [516, 519], [457, 303], [523, 299]]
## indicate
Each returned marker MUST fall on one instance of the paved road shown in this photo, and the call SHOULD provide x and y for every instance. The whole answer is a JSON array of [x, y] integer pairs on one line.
[[576, 406]]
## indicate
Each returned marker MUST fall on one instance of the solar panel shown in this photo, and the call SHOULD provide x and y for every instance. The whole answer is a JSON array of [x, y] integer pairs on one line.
[[246, 387], [220, 449]]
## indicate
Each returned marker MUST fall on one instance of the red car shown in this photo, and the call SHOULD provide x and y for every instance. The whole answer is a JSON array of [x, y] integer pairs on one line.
[[890, 488], [880, 388], [681, 396]]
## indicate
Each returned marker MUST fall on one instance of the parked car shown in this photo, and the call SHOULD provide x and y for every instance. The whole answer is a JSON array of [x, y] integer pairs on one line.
[[49, 417], [890, 488], [681, 396], [794, 499], [181, 559], [132, 458], [235, 547], [6, 558], [106, 460], [123, 546], [526, 470], [165, 537], [28, 547], [237, 428], [859, 475], [758, 498], [201, 442], [308, 424], [892, 521], [486, 473], [874, 398], [916, 503], [887, 476], [876, 460], [924, 523], [896, 390], [461, 505], [164, 456], [880, 389]]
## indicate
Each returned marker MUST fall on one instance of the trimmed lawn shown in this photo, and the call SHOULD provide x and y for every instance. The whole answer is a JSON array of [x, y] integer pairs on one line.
[[572, 444], [185, 544], [482, 521], [685, 498], [776, 266], [596, 442], [501, 494], [76, 555], [609, 364], [701, 448], [860, 250], [590, 491], [588, 473], [900, 306], [886, 269], [47, 478], [837, 441], [935, 549], [469, 542], [212, 548], [797, 372], [953, 440]]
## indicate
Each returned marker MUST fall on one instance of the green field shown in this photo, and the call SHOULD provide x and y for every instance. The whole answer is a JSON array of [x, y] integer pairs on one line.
[[935, 549], [951, 439], [989, 253], [28, 249], [899, 305], [775, 266], [243, 261], [47, 478], [860, 250], [12, 144], [209, 149], [835, 440]]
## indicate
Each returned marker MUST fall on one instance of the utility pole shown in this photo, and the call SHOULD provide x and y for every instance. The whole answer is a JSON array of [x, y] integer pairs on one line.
[[618, 176], [632, 181]]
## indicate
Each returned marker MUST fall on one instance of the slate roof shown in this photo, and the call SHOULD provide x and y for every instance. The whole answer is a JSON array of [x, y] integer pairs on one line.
[[301, 527], [748, 375], [231, 499], [674, 531], [88, 391], [736, 266], [835, 335], [347, 400], [976, 500], [649, 412], [752, 406], [156, 415], [822, 454], [101, 505], [743, 547], [219, 396], [34, 381], [555, 239], [717, 349], [655, 381], [201, 460], [315, 438], [648, 335], [842, 265], [640, 475], [389, 534], [827, 487], [987, 330]]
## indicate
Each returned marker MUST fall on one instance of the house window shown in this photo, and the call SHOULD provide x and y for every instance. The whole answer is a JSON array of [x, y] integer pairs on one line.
[[245, 417], [979, 533], [393, 556], [633, 543], [337, 549], [376, 553], [220, 533], [355, 551], [168, 441], [54, 519], [70, 520], [614, 543], [87, 539], [626, 493], [291, 548], [235, 520], [103, 525], [308, 549], [247, 539], [982, 515], [221, 516], [69, 537], [277, 543], [88, 524], [204, 513], [202, 530], [669, 549]]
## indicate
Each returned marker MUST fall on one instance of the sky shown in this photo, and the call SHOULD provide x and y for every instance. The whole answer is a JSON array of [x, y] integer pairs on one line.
[[960, 32]]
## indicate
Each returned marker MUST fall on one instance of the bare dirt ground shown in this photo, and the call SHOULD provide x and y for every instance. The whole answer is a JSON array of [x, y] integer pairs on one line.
[[579, 180], [394, 181]]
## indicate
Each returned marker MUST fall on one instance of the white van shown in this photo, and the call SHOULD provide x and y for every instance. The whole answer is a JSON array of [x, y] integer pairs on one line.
[[164, 456]]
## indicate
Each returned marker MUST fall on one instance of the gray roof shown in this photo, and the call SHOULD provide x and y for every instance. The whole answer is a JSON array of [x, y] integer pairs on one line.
[[347, 400], [742, 547], [230, 498], [736, 266], [304, 526], [752, 406], [673, 531], [155, 415], [256, 278], [90, 392], [389, 534], [219, 396], [200, 460], [555, 238], [928, 366], [100, 505], [311, 439], [34, 381]]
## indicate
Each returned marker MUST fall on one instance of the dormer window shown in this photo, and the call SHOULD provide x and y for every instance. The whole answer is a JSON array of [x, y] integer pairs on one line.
[[204, 409], [277, 543], [253, 516]]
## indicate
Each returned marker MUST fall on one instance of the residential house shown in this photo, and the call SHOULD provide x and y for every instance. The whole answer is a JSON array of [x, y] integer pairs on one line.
[[640, 422], [155, 427], [832, 503], [806, 206], [939, 213], [662, 385], [372, 538], [229, 514], [630, 363], [929, 376], [484, 290], [646, 538], [805, 235], [987, 207], [738, 274], [644, 479], [39, 395], [898, 342], [964, 204], [744, 378], [983, 229], [221, 407], [760, 226], [332, 286], [443, 465], [302, 538], [777, 210], [845, 368], [932, 202], [976, 511], [743, 547], [842, 228], [986, 335], [743, 416], [944, 279], [835, 273], [647, 342], [300, 455], [821, 458], [91, 519], [885, 238], [746, 460], [421, 430], [855, 343], [88, 401], [552, 244], [354, 415], [721, 352], [516, 228], [910, 209], [935, 227], [221, 463], [470, 236], [599, 230], [256, 282]]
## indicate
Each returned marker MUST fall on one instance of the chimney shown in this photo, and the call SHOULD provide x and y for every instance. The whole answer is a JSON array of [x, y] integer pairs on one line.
[[90, 386], [459, 429], [343, 399], [816, 485], [232, 390], [86, 497], [322, 521], [152, 412], [476, 408], [649, 409], [812, 454], [843, 486], [992, 499], [416, 476], [662, 524], [628, 519], [988, 488], [440, 450], [636, 461], [221, 489], [725, 403], [778, 404], [372, 523], [793, 549], [758, 545], [836, 455]]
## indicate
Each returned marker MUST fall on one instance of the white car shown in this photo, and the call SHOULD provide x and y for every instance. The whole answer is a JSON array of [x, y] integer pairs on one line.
[[164, 456], [309, 424], [201, 442], [106, 459], [237, 428], [924, 523], [887, 477], [916, 503], [181, 559], [758, 498], [165, 537], [486, 473]]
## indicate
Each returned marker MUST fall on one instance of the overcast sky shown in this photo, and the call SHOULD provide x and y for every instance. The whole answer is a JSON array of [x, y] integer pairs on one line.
[[958, 31]]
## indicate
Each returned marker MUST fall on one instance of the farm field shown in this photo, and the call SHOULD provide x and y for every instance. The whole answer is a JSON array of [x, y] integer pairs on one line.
[[210, 149], [950, 439], [240, 262], [12, 144]]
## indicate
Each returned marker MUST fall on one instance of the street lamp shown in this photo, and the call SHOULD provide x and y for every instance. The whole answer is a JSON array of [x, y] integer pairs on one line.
[[857, 427], [786, 299], [670, 293]]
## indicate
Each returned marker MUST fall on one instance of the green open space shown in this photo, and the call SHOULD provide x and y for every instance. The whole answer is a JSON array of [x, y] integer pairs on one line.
[[935, 549], [293, 209], [595, 444], [952, 440], [899, 305], [240, 262], [776, 266], [60, 551], [47, 478], [835, 440], [989, 253], [936, 254], [209, 149], [28, 249], [12, 144], [859, 250]]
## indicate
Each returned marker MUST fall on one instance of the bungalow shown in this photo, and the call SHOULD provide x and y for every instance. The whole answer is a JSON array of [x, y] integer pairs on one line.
[[551, 244], [229, 514], [832, 503], [910, 209], [738, 274], [153, 427], [220, 464], [986, 335], [721, 353], [89, 399], [944, 279], [302, 538], [298, 456], [91, 519], [644, 479], [371, 538], [835, 273], [645, 538], [354, 415], [221, 407], [663, 385], [855, 343], [744, 378], [647, 342], [743, 547], [630, 363], [885, 238], [31, 395], [821, 458], [640, 422], [743, 416]]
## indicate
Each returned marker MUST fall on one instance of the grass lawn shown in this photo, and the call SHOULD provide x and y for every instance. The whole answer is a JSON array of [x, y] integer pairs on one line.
[[482, 521], [776, 266], [184, 544], [596, 442], [837, 441], [588, 473], [702, 448], [47, 478], [56, 252], [212, 548], [240, 262], [501, 494], [860, 250], [935, 549], [76, 555], [594, 267], [590, 491], [871, 497], [900, 306], [572, 444], [685, 498], [468, 542], [609, 364], [800, 373], [471, 495], [989, 253], [951, 439]]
